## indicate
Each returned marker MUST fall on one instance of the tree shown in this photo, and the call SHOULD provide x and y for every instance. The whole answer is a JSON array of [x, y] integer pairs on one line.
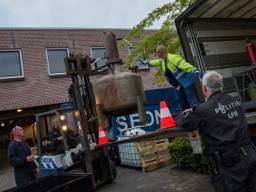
[[166, 35]]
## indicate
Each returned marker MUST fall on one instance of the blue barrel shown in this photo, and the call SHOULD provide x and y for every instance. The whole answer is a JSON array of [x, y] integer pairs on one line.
[[152, 107]]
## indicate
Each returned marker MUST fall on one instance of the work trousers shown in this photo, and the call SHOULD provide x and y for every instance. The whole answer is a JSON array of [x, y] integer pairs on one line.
[[239, 176], [188, 96]]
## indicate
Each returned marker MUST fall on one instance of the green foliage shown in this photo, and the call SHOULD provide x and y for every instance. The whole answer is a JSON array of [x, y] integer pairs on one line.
[[149, 20], [183, 157], [148, 44], [166, 35]]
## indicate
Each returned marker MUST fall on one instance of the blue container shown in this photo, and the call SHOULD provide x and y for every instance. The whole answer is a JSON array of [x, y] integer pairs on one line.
[[48, 171], [48, 167], [128, 154], [152, 107]]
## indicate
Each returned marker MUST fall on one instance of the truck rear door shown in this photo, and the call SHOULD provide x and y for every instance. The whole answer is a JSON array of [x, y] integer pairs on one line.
[[213, 35]]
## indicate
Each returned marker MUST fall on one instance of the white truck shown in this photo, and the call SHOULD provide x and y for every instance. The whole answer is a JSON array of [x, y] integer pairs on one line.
[[213, 36]]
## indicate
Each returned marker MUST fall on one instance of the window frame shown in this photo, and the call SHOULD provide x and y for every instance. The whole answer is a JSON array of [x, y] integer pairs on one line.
[[91, 51], [21, 64], [48, 63]]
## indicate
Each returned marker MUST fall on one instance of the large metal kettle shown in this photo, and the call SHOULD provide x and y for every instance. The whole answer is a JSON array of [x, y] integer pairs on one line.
[[118, 93]]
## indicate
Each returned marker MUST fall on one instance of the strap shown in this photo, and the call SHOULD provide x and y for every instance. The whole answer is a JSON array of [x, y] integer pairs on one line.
[[178, 63], [179, 75], [166, 68]]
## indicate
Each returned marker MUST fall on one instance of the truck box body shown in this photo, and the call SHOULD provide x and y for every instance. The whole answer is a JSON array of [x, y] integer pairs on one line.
[[213, 35]]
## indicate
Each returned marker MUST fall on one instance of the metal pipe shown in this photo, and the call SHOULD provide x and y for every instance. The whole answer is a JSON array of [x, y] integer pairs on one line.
[[112, 53], [96, 60], [141, 109], [100, 115], [39, 141]]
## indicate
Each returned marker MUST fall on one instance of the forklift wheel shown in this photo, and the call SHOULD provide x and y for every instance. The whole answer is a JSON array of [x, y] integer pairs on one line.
[[80, 171], [113, 169]]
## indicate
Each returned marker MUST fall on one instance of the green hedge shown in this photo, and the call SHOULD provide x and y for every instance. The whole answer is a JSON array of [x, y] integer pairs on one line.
[[183, 157]]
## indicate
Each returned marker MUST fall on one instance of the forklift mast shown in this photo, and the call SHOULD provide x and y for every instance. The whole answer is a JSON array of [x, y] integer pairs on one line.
[[82, 97], [81, 92]]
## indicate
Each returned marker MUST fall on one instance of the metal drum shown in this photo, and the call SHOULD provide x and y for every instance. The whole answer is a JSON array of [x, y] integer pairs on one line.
[[119, 94]]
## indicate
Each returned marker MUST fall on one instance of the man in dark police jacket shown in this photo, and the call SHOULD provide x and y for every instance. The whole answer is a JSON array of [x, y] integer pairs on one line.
[[222, 125]]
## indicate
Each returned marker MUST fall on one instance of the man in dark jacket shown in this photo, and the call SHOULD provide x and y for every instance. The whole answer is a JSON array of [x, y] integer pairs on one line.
[[20, 157], [55, 136], [222, 125]]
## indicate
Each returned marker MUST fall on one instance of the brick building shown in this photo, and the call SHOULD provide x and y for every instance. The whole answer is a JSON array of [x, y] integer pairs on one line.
[[32, 70]]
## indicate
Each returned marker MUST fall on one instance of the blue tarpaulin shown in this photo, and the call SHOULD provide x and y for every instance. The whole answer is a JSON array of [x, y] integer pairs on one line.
[[152, 107]]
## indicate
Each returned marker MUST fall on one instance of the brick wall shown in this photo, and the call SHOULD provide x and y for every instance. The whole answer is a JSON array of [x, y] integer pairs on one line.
[[38, 88]]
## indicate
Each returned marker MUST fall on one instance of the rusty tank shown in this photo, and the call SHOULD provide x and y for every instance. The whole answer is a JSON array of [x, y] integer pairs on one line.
[[119, 94]]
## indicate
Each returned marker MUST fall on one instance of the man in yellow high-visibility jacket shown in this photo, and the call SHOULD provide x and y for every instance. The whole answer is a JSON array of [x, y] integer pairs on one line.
[[179, 74]]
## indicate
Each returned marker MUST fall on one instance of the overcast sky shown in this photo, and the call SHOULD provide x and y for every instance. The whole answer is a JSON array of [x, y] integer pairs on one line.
[[76, 13]]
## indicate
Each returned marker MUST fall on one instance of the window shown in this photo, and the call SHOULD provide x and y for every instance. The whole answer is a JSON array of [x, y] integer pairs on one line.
[[98, 53], [56, 65], [11, 64]]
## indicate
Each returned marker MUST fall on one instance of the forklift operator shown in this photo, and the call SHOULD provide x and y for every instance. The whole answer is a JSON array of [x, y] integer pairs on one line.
[[55, 136], [222, 125]]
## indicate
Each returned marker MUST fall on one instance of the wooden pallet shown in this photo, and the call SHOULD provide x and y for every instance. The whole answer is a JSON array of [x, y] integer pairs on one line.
[[145, 147], [149, 159], [152, 145], [163, 156], [155, 166], [161, 144], [150, 167], [153, 154]]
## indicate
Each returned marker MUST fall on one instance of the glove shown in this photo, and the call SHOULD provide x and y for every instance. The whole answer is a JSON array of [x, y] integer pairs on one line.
[[186, 112], [144, 62]]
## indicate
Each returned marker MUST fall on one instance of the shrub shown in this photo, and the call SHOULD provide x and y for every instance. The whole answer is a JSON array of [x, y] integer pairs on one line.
[[182, 155]]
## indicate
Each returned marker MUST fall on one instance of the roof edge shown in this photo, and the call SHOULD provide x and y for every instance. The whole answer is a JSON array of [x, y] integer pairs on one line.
[[69, 28], [189, 10]]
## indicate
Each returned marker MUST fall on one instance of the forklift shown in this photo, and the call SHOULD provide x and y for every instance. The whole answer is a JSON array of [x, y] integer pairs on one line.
[[85, 156]]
